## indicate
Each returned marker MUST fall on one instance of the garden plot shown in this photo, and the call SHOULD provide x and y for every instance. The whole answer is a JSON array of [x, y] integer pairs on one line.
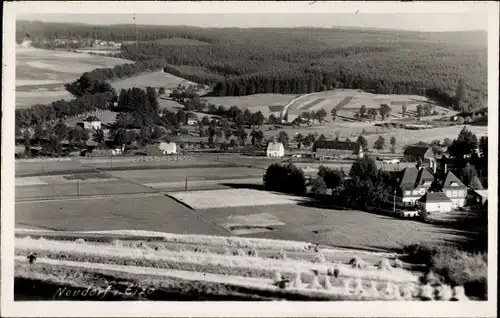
[[251, 223], [233, 198]]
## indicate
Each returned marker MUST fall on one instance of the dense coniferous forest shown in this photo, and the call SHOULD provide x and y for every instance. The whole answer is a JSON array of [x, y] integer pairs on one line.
[[450, 67]]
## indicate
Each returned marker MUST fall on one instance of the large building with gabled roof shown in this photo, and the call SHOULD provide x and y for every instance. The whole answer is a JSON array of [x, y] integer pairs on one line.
[[454, 189], [413, 184]]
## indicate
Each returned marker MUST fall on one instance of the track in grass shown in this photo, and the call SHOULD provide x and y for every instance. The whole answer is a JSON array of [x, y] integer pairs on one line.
[[312, 103], [343, 103]]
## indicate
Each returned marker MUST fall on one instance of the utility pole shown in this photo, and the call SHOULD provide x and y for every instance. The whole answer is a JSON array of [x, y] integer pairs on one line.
[[78, 187], [186, 184], [394, 208]]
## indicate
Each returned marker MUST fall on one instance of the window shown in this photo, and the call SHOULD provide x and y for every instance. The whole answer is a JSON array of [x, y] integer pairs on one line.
[[408, 192], [454, 193], [416, 192], [422, 191], [448, 193]]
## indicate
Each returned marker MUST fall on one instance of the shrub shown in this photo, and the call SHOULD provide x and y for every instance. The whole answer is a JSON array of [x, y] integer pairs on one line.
[[449, 265]]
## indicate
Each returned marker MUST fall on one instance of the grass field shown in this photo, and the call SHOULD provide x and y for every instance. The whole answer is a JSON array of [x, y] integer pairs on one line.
[[302, 222], [41, 74], [348, 101], [266, 103], [154, 79]]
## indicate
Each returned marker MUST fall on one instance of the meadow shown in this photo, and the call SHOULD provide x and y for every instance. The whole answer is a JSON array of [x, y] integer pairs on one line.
[[266, 103], [41, 74], [152, 79]]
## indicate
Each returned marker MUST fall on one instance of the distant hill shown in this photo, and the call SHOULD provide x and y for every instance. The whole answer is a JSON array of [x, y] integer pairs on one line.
[[238, 61]]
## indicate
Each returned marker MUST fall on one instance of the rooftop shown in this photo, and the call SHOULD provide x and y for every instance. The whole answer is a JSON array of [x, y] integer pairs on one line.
[[336, 145], [450, 179], [417, 151], [274, 146], [434, 197]]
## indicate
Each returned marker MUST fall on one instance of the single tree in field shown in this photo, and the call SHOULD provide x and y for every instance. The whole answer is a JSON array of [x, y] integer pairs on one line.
[[403, 110], [334, 114], [393, 144], [321, 114], [283, 138], [379, 143], [384, 111], [299, 139], [362, 142], [362, 111]]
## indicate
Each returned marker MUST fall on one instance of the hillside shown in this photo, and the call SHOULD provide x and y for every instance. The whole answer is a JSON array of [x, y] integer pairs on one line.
[[302, 60]]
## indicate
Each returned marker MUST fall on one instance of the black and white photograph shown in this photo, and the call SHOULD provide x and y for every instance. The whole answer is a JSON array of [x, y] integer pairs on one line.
[[330, 154]]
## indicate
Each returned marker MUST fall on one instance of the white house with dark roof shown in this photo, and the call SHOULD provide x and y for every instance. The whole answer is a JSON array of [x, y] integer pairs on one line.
[[275, 149], [454, 189], [435, 202]]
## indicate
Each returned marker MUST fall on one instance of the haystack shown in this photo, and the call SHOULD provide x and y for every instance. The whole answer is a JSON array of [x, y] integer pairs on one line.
[[398, 263], [388, 291], [297, 282], [80, 241], [277, 276], [384, 265], [328, 283], [426, 292], [281, 255], [373, 289], [407, 292], [348, 282], [315, 283], [396, 293], [358, 286], [459, 293], [319, 259], [444, 292]]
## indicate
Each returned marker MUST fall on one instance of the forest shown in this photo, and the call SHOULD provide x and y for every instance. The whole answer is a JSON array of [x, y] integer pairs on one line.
[[450, 67]]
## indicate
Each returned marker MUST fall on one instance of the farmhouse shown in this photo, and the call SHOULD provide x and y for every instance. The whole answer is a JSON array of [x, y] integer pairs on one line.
[[192, 121], [413, 184], [275, 149], [168, 147], [435, 202], [454, 189], [330, 148], [414, 153]]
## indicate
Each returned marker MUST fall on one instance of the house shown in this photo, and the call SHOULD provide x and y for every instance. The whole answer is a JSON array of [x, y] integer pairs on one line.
[[435, 202], [454, 189], [414, 153], [168, 147], [192, 121], [335, 148], [413, 184], [275, 149], [92, 122]]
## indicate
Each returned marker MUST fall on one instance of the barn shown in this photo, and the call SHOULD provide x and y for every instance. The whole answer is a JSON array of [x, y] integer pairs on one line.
[[336, 148]]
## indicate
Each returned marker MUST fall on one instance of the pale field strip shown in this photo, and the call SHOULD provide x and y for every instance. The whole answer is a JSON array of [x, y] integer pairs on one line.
[[234, 198], [160, 185], [252, 282], [32, 82], [92, 251], [46, 180], [222, 241]]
